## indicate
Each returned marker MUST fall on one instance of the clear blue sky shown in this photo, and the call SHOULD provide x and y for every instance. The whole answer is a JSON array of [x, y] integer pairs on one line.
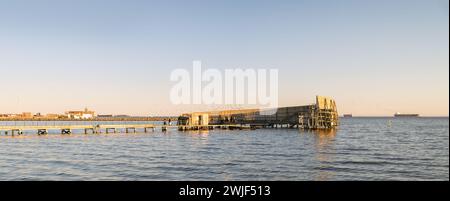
[[374, 57]]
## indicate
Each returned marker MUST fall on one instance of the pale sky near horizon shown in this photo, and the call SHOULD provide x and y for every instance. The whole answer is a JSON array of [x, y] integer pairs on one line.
[[374, 58]]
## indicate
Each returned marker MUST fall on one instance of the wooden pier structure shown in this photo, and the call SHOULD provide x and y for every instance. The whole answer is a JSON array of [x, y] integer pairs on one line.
[[113, 128], [321, 115], [68, 129]]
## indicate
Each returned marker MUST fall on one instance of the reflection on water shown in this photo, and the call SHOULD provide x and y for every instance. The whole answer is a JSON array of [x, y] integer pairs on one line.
[[361, 149], [323, 152], [200, 137]]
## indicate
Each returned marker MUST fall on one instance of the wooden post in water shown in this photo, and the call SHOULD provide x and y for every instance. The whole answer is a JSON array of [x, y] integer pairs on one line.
[[13, 132], [107, 130], [67, 131], [127, 130], [87, 129], [42, 132]]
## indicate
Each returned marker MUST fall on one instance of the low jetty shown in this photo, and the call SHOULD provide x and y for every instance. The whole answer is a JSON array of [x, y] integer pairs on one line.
[[68, 129], [113, 128]]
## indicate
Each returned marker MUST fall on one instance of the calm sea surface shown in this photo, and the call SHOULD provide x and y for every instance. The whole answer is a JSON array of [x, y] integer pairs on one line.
[[361, 149]]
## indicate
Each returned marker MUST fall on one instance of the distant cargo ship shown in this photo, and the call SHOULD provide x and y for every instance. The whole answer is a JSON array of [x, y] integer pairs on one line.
[[348, 115], [405, 115]]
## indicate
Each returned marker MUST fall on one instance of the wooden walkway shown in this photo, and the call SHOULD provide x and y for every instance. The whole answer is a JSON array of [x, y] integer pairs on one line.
[[111, 128]]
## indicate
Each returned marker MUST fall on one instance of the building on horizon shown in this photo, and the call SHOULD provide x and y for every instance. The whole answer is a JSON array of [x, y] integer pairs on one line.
[[86, 114]]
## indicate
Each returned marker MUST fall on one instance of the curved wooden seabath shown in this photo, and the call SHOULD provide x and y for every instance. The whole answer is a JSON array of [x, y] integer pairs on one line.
[[321, 115]]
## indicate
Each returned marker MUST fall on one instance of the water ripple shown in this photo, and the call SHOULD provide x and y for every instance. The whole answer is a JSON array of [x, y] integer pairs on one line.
[[361, 149]]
